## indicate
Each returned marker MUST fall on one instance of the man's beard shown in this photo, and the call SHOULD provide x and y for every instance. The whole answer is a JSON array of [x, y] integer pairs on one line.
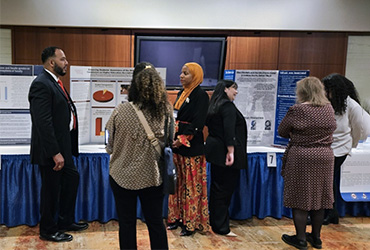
[[59, 70]]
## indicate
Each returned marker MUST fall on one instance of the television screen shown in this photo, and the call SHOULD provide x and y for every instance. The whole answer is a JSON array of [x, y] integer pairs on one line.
[[173, 52]]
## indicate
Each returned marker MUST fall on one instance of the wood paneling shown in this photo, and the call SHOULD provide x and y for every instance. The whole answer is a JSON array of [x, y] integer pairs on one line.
[[118, 48], [72, 44], [252, 50], [93, 49], [25, 45], [83, 47], [322, 53]]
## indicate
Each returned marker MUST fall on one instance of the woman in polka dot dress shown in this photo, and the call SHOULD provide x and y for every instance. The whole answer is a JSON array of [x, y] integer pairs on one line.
[[308, 161]]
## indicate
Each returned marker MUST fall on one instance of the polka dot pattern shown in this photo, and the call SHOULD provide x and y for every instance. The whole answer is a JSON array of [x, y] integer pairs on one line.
[[308, 162]]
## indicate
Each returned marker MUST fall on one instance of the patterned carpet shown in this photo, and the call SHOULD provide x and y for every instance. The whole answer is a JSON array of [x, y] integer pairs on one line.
[[353, 233]]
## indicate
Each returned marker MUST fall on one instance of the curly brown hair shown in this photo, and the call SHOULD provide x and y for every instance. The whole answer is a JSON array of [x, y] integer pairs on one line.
[[148, 92]]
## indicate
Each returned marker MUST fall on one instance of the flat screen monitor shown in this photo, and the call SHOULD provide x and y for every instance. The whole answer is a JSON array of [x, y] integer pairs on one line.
[[173, 52]]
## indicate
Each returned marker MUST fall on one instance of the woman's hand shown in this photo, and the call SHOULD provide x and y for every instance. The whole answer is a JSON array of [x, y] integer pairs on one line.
[[176, 144], [230, 156], [229, 159]]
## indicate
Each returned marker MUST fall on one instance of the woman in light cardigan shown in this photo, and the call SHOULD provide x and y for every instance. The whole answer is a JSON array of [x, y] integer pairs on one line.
[[353, 124]]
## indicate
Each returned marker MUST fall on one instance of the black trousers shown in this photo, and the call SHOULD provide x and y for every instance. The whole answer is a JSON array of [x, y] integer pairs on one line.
[[223, 183], [338, 161], [58, 197], [151, 200]]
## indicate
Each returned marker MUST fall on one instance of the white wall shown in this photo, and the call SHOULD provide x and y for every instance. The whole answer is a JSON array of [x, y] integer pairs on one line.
[[5, 46], [358, 66], [320, 15]]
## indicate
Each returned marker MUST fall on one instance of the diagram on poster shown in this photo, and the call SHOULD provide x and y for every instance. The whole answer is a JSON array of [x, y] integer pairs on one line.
[[103, 93]]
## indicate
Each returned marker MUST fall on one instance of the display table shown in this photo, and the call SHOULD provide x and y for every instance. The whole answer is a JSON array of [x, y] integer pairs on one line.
[[259, 192]]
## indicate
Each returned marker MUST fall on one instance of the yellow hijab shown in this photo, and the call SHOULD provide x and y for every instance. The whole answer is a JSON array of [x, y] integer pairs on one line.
[[197, 73]]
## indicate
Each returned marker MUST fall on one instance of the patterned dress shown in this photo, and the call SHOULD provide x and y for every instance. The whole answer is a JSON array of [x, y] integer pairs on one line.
[[308, 160]]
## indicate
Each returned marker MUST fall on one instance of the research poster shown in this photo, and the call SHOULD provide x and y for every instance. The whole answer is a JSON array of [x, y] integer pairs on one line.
[[286, 97], [15, 120], [96, 91], [355, 176], [264, 98]]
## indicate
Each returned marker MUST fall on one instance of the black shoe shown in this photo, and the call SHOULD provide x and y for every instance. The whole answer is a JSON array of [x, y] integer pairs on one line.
[[173, 226], [185, 232], [56, 237], [74, 227], [332, 217], [293, 241], [315, 242]]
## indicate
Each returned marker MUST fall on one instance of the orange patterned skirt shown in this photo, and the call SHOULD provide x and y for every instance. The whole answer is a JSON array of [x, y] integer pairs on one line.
[[190, 202]]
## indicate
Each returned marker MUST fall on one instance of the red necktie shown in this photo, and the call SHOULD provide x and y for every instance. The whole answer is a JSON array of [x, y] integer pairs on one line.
[[65, 93], [62, 87]]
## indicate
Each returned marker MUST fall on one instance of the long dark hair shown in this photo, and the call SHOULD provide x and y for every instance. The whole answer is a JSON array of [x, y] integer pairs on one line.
[[219, 97], [338, 88], [148, 92]]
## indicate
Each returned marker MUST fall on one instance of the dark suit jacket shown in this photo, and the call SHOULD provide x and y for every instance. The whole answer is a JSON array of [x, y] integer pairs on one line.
[[51, 114], [192, 116], [227, 128]]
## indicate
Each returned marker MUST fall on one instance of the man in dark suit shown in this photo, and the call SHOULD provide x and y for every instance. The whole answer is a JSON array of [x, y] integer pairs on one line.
[[54, 140]]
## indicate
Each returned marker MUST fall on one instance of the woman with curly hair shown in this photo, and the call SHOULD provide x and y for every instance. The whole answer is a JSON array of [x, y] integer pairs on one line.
[[188, 207], [350, 128], [134, 171]]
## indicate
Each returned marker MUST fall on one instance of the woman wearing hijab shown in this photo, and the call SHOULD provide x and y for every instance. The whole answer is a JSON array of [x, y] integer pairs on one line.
[[188, 207], [226, 150]]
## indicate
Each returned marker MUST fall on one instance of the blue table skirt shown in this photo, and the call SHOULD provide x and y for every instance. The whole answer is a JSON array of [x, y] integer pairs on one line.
[[259, 192]]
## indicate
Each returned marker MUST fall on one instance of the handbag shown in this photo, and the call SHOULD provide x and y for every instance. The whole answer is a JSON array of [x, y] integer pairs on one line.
[[166, 165]]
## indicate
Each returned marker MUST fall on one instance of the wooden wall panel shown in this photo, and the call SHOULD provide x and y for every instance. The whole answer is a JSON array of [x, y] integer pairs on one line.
[[93, 49], [83, 47], [118, 48], [253, 50], [72, 44], [322, 53], [25, 45]]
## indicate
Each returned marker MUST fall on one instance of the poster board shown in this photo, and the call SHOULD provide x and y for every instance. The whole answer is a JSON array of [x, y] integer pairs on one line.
[[96, 91], [355, 174], [15, 119], [264, 98]]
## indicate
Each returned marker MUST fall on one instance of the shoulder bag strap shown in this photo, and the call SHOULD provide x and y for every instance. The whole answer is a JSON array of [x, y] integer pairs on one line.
[[153, 140]]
